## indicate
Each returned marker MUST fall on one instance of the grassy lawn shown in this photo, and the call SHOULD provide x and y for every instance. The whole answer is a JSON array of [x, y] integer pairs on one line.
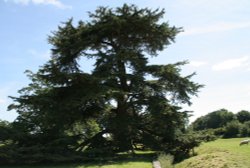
[[135, 164], [222, 153], [141, 160]]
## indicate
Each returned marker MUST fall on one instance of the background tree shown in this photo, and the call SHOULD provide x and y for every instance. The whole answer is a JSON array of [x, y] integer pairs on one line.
[[243, 116], [127, 100], [224, 123], [245, 129], [232, 129], [214, 120], [5, 131]]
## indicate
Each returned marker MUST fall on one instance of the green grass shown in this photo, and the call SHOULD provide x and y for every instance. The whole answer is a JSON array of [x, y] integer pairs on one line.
[[166, 161], [222, 153], [135, 164], [124, 160]]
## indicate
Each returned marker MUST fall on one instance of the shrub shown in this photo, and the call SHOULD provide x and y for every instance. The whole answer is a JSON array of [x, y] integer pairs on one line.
[[13, 154], [244, 131], [219, 131], [232, 129], [207, 135]]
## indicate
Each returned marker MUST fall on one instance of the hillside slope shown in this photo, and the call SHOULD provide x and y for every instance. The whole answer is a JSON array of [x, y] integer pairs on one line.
[[222, 153]]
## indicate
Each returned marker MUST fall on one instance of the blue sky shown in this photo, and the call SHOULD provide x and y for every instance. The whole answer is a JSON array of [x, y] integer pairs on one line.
[[215, 40]]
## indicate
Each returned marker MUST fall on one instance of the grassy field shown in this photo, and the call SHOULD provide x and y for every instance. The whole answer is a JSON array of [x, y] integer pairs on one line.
[[222, 153], [135, 164], [140, 160]]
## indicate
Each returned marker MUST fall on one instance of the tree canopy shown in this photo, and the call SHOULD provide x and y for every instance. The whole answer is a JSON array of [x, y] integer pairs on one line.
[[123, 101], [224, 123], [216, 119], [243, 116]]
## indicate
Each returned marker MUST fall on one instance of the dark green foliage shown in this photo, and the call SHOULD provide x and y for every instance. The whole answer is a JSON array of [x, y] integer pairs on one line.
[[224, 124], [5, 131], [243, 116], [15, 154], [116, 105], [219, 131], [214, 120], [184, 145], [232, 129], [245, 129], [207, 135]]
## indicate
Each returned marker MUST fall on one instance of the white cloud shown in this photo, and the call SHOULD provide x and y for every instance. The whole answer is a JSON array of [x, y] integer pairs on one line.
[[219, 27], [56, 3], [197, 63], [231, 64]]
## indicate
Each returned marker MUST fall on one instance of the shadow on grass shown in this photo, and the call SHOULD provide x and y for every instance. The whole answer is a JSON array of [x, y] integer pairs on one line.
[[97, 162]]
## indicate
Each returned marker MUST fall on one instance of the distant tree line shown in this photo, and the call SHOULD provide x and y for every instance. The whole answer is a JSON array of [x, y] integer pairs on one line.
[[224, 123]]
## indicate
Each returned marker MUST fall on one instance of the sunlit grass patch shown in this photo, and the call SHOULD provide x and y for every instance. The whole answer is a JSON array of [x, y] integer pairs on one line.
[[135, 164], [222, 153], [166, 160], [142, 159]]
